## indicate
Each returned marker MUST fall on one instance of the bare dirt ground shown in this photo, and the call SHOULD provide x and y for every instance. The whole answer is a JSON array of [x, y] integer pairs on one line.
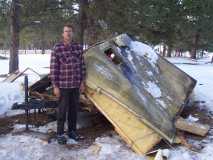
[[100, 127]]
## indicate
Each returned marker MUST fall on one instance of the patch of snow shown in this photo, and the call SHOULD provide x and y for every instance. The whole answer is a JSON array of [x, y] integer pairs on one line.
[[10, 93], [144, 50], [71, 141], [130, 58], [113, 148], [206, 153], [10, 113], [27, 147], [160, 155], [149, 73], [38, 62], [18, 127], [153, 89], [169, 98], [181, 60], [162, 103], [203, 75], [190, 118], [202, 72], [181, 153], [166, 152], [47, 127]]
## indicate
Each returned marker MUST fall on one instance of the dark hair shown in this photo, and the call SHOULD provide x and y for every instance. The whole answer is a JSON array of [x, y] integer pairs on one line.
[[68, 25]]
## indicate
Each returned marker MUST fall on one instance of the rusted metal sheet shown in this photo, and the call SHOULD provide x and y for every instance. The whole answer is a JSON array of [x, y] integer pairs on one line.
[[146, 84]]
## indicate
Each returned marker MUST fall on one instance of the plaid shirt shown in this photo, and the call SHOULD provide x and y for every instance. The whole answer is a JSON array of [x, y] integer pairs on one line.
[[67, 67]]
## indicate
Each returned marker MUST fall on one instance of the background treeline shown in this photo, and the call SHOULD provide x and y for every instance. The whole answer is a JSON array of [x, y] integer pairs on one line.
[[178, 25]]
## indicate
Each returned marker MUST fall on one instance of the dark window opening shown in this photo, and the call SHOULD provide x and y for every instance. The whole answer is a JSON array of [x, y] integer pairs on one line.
[[113, 57]]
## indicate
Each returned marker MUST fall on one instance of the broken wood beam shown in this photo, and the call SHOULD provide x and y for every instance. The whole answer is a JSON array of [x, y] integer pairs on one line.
[[192, 127]]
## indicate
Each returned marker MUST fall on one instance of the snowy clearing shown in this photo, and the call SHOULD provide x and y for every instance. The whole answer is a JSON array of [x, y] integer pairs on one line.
[[29, 147]]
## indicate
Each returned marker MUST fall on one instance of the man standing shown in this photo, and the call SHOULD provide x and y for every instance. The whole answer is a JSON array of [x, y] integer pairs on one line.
[[67, 73]]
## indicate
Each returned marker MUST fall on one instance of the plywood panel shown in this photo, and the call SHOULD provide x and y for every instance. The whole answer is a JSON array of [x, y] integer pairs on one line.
[[140, 137]]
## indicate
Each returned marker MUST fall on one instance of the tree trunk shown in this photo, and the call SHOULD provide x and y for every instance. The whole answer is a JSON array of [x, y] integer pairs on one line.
[[92, 32], [194, 46], [181, 53], [42, 41], [14, 29], [83, 19], [169, 53], [164, 50], [202, 53]]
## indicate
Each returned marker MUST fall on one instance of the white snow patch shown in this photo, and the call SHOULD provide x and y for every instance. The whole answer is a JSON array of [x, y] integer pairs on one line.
[[181, 154], [190, 118], [10, 113], [169, 98], [46, 128], [18, 127], [162, 103], [149, 73], [27, 147], [38, 62], [71, 141], [114, 148], [130, 58], [206, 153], [10, 93], [153, 89], [203, 74], [144, 50]]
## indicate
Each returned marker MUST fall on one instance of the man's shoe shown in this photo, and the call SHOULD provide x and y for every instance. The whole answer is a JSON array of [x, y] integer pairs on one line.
[[74, 135], [61, 139]]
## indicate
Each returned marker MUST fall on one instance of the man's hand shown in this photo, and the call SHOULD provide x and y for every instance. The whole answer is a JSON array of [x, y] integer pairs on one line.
[[56, 92], [82, 87]]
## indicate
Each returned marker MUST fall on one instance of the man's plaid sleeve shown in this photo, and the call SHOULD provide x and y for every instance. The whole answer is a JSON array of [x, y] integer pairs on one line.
[[54, 68]]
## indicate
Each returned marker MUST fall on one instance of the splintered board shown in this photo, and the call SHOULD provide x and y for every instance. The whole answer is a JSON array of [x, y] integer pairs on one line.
[[133, 131]]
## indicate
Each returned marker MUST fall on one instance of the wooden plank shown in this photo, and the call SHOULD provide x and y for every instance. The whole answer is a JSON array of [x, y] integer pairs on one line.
[[133, 131], [192, 127], [12, 77]]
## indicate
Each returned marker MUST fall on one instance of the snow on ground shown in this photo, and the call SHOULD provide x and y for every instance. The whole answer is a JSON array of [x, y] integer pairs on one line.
[[202, 71], [9, 94], [32, 147], [22, 147], [38, 62], [29, 147], [13, 92]]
